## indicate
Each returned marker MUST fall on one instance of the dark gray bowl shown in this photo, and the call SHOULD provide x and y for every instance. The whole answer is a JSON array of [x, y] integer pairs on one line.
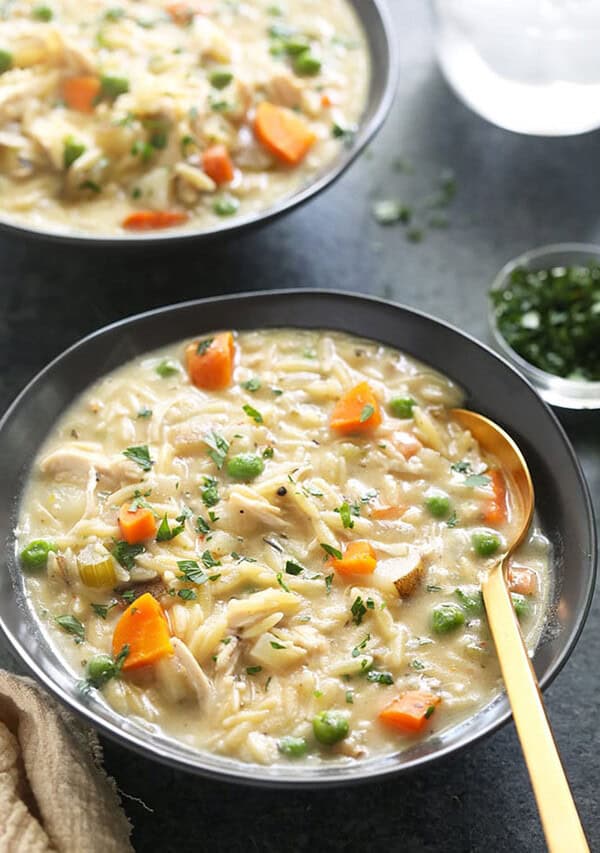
[[381, 42], [492, 387]]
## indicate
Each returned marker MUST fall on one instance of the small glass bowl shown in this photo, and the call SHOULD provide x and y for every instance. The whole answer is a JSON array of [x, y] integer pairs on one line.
[[575, 394]]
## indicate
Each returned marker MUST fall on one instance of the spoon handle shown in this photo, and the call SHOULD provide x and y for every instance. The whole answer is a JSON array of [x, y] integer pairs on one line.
[[558, 813]]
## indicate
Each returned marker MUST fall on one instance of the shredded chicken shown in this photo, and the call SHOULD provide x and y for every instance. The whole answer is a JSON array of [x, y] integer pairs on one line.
[[198, 679]]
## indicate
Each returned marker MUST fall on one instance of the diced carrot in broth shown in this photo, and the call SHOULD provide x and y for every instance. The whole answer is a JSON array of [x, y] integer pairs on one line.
[[80, 93], [151, 220], [387, 513], [495, 509], [143, 628], [217, 164], [359, 559], [522, 580], [410, 713], [283, 133], [210, 362], [357, 411], [136, 524]]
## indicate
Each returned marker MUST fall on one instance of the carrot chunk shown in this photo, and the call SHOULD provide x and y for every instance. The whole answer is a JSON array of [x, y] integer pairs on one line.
[[143, 628], [495, 509], [217, 164], [210, 362], [283, 133], [136, 524], [80, 93], [410, 712], [522, 580], [388, 513], [357, 411], [150, 220], [359, 559]]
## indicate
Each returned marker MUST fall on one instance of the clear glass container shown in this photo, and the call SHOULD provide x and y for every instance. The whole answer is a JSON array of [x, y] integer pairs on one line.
[[575, 394], [530, 66]]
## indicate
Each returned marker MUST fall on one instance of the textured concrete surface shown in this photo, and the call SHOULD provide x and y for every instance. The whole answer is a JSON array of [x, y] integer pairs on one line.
[[513, 193]]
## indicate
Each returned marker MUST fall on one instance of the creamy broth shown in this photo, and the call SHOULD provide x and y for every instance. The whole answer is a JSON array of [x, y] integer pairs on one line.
[[268, 630], [165, 84]]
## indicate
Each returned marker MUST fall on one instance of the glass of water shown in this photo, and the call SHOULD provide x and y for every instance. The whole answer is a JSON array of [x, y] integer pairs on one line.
[[531, 66]]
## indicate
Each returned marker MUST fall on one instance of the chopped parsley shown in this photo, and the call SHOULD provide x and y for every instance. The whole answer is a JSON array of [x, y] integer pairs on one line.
[[328, 582], [333, 552], [139, 500], [209, 561], [253, 413], [366, 413], [369, 495], [461, 467], [417, 664], [477, 480], [358, 610], [275, 645], [71, 625], [345, 515], [253, 670], [166, 533], [187, 594], [292, 568], [281, 582], [102, 610], [429, 712], [191, 571], [380, 677], [219, 447], [202, 525], [349, 697], [453, 520], [252, 385], [204, 346], [357, 649], [431, 587], [210, 492], [144, 413], [268, 453], [125, 554], [140, 455]]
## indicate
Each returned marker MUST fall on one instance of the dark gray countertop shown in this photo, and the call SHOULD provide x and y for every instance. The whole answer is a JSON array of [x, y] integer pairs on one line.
[[513, 193]]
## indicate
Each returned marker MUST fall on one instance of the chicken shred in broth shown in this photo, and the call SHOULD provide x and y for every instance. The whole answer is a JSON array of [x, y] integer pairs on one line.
[[146, 115], [280, 557]]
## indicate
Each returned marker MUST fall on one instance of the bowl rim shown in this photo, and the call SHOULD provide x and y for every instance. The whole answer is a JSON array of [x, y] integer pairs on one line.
[[366, 132], [533, 373], [360, 773]]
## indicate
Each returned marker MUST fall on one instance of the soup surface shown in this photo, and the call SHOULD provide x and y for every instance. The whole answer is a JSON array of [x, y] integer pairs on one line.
[[270, 546], [144, 115]]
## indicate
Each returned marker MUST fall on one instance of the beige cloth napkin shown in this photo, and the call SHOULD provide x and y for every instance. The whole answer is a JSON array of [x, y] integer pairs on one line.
[[54, 794]]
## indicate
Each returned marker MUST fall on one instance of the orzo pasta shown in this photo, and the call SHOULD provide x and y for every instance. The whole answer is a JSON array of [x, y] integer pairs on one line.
[[269, 545]]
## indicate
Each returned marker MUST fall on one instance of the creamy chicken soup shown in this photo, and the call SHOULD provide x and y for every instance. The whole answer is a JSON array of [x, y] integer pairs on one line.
[[270, 545], [131, 116]]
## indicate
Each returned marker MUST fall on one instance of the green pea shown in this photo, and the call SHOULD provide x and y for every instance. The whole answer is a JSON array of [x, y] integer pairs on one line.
[[226, 205], [220, 78], [42, 13], [112, 87], [446, 617], [245, 466], [35, 555], [438, 505], [306, 64], [521, 605], [471, 602], [100, 669], [293, 747], [296, 46], [72, 151], [330, 727], [402, 407], [6, 61], [485, 544]]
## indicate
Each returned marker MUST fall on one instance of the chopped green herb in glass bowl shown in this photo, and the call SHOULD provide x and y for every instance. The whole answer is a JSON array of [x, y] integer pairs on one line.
[[545, 317]]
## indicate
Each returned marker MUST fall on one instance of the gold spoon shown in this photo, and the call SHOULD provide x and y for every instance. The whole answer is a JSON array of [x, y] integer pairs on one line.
[[558, 813]]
